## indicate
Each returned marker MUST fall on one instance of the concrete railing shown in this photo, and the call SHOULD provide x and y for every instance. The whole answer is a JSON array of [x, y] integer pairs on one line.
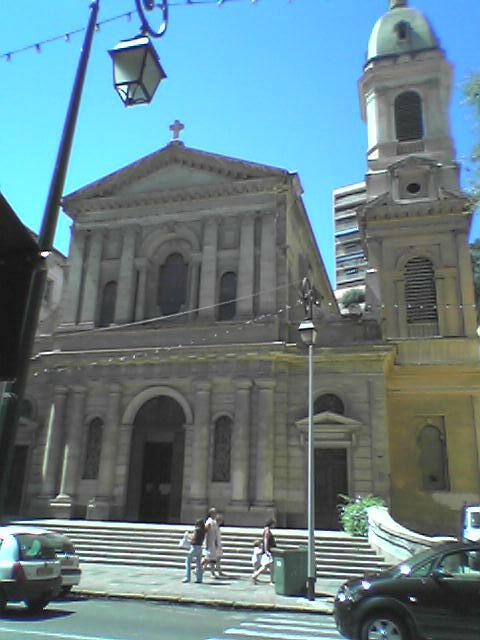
[[393, 541]]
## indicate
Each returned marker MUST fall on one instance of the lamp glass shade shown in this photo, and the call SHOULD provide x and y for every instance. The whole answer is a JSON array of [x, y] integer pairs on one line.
[[308, 332], [137, 71]]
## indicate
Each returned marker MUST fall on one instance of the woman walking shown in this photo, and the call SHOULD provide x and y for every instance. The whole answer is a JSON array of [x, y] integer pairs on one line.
[[195, 552], [266, 559]]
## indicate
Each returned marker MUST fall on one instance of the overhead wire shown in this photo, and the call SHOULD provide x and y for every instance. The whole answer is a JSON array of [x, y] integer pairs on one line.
[[66, 36]]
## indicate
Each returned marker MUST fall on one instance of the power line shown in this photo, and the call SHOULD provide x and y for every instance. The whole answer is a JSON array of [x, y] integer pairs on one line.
[[66, 37]]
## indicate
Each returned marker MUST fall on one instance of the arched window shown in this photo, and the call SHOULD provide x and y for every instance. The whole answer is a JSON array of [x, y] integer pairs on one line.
[[221, 449], [420, 292], [107, 304], [433, 458], [408, 116], [93, 450], [402, 29], [226, 298], [329, 402], [172, 284]]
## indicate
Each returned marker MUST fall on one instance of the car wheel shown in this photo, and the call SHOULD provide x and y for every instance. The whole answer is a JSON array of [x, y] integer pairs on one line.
[[384, 626], [37, 604]]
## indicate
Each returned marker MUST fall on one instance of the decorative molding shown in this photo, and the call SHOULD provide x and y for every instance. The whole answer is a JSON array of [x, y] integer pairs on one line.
[[330, 429]]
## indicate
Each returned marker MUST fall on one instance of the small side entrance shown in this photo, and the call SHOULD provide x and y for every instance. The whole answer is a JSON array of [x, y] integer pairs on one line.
[[331, 478]]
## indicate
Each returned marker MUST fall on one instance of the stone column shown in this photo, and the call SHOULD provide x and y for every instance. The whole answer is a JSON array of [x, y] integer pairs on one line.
[[53, 446], [241, 444], [71, 301], [246, 267], [63, 503], [208, 283], [126, 279], [264, 468], [201, 445], [92, 275], [466, 285], [99, 508], [141, 265], [447, 300], [268, 246], [193, 286]]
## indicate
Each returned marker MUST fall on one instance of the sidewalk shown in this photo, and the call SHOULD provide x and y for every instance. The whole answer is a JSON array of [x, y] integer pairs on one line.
[[166, 585]]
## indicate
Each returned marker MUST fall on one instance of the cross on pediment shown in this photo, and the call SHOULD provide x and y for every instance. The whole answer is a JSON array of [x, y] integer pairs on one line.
[[176, 127]]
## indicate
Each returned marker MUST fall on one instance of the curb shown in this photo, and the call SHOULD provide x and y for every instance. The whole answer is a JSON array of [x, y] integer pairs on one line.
[[223, 604]]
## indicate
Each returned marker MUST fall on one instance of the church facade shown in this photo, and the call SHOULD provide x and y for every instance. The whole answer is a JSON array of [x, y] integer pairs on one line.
[[175, 378]]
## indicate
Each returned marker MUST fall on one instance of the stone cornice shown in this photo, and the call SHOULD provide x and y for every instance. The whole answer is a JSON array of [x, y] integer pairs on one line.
[[174, 196], [384, 208], [179, 155]]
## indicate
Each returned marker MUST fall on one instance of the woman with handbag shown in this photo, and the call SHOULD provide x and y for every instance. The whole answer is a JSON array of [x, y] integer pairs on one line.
[[266, 559], [195, 552]]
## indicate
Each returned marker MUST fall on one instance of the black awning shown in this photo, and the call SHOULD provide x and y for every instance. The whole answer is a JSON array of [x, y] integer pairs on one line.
[[19, 253]]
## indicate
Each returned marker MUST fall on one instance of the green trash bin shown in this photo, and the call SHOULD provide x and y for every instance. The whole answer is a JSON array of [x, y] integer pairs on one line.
[[290, 571]]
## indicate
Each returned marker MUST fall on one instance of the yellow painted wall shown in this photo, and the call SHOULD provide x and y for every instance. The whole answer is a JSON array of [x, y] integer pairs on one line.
[[416, 396]]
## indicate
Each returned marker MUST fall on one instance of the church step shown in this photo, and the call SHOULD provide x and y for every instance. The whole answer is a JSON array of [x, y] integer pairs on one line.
[[338, 555]]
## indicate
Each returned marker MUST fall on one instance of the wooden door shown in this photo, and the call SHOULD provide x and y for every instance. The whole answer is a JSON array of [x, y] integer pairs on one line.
[[330, 480], [156, 482]]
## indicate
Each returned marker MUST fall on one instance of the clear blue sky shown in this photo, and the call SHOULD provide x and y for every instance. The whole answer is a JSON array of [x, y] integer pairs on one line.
[[271, 81]]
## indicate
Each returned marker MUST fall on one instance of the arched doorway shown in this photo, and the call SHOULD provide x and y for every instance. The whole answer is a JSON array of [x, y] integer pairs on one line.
[[156, 461]]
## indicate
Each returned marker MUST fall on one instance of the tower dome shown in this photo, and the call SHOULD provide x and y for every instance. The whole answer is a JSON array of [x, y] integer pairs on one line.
[[401, 30]]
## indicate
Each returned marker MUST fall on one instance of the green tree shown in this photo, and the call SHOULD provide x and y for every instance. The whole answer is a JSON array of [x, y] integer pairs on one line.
[[472, 95], [475, 255]]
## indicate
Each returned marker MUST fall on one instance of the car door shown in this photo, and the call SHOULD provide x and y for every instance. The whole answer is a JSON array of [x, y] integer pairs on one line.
[[446, 602]]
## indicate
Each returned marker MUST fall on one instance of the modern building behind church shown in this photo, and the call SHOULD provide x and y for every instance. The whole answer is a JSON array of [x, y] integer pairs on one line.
[[175, 379]]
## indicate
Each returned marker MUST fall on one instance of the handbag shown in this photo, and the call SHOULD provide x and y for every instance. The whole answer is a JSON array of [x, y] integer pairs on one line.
[[184, 542]]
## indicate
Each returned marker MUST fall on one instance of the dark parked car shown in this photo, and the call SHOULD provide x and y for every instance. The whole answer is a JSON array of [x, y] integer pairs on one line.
[[435, 595]]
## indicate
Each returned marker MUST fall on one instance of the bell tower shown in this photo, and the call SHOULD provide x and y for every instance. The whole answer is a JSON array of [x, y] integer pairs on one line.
[[416, 219]]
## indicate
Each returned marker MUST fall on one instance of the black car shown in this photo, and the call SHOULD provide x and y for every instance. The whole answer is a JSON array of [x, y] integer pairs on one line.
[[434, 595]]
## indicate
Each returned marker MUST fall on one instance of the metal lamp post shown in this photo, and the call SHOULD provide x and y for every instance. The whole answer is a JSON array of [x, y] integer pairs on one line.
[[13, 394], [308, 334]]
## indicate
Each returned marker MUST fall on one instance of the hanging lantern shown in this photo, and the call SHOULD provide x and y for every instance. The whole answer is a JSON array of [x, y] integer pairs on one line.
[[137, 71]]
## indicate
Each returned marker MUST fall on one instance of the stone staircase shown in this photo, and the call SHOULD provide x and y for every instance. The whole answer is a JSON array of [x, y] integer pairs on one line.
[[338, 555]]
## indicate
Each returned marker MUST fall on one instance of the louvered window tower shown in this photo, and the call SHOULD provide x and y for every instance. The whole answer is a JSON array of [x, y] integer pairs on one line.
[[421, 297]]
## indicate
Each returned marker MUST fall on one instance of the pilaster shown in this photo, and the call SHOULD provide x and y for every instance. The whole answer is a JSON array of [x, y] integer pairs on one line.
[[64, 503], [208, 283], [246, 267], [264, 468], [71, 301], [53, 447], [92, 275], [126, 278], [201, 445], [99, 507], [241, 444], [268, 264]]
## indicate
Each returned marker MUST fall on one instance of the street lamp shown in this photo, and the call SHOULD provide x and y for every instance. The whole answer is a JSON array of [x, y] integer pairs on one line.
[[308, 334], [14, 391], [137, 71]]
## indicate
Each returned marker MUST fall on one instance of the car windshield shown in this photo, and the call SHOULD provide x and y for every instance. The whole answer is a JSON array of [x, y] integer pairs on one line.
[[34, 547], [417, 563], [60, 543], [475, 519]]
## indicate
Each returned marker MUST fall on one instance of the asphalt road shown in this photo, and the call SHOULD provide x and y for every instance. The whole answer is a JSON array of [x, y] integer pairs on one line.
[[110, 619]]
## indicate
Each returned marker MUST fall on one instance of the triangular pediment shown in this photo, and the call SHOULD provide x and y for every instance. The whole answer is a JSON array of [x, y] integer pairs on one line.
[[330, 428], [412, 161], [331, 419], [173, 168]]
